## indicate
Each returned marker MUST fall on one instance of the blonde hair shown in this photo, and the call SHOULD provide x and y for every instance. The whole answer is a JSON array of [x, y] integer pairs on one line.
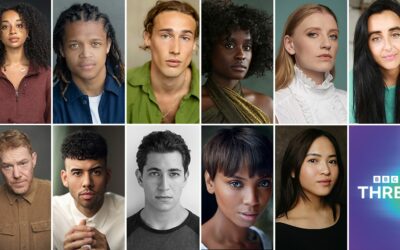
[[13, 138], [284, 64]]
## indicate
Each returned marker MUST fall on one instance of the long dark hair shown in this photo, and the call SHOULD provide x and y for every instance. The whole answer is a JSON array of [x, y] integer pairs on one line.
[[37, 44], [290, 189], [85, 12], [369, 87]]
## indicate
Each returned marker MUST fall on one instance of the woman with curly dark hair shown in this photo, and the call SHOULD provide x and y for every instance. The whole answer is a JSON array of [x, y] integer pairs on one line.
[[25, 89], [305, 64], [236, 43]]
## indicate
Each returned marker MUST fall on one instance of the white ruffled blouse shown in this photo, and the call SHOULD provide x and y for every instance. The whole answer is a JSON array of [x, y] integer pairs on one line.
[[305, 102]]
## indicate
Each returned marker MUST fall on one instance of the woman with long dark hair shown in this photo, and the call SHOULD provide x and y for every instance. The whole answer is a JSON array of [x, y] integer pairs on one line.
[[376, 96], [25, 88], [308, 214]]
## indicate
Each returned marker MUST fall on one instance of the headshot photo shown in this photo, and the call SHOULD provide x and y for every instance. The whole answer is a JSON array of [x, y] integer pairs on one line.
[[163, 187], [88, 64], [88, 187], [163, 75], [374, 76], [25, 84], [237, 187], [311, 62], [237, 53], [311, 167], [25, 189]]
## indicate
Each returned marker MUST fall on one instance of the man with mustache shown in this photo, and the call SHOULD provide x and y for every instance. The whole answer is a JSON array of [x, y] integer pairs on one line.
[[166, 89], [87, 217], [25, 201], [163, 159]]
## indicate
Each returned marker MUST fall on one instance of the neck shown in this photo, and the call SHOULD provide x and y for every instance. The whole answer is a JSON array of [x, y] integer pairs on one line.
[[390, 76], [15, 56], [90, 212], [169, 85], [163, 220], [313, 203], [91, 87], [223, 82], [226, 231]]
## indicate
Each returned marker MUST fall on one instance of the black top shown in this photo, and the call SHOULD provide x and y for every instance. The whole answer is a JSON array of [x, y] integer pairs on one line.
[[184, 236], [331, 238]]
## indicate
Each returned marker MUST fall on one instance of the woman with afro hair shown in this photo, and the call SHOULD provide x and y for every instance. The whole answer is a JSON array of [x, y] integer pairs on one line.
[[25, 88], [236, 43]]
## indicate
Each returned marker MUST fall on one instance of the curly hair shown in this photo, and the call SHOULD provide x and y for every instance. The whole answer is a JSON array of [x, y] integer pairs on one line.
[[220, 18], [85, 12], [162, 142], [37, 44], [84, 145]]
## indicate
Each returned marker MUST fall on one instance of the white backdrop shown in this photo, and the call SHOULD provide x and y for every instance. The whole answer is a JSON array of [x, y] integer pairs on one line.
[[190, 198]]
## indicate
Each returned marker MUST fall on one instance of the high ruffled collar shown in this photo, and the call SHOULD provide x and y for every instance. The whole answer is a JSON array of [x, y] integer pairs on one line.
[[300, 76]]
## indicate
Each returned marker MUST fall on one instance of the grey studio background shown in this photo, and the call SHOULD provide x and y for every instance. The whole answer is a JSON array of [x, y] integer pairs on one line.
[[339, 7], [114, 9], [262, 84], [209, 205], [136, 13], [283, 134], [190, 198], [114, 136], [40, 137]]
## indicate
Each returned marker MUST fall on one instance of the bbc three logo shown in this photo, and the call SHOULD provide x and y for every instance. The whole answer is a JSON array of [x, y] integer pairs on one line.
[[384, 187]]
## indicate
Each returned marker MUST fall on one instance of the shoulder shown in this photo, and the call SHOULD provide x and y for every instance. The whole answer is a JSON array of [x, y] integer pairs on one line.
[[192, 222], [282, 95], [114, 200], [138, 74], [44, 184], [206, 101], [260, 100], [266, 241], [133, 222]]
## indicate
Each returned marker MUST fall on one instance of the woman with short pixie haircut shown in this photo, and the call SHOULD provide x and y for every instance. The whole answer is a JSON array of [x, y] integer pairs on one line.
[[238, 171], [236, 43], [305, 64], [309, 215]]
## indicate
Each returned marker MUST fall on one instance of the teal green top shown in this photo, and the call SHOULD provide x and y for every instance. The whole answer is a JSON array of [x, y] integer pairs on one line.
[[142, 105], [390, 96]]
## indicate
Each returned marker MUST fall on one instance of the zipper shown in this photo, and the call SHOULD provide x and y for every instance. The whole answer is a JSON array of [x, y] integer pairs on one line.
[[16, 95]]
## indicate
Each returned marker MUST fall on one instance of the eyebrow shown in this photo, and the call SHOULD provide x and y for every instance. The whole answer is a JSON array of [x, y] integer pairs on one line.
[[91, 169], [319, 155], [396, 28], [317, 28], [171, 30]]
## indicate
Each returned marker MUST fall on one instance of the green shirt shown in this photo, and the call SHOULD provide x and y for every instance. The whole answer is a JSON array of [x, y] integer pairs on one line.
[[390, 96], [142, 105]]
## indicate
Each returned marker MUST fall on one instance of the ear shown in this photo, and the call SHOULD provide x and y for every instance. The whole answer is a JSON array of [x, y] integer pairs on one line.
[[64, 178], [292, 174], [61, 51], [34, 159], [289, 46], [209, 183], [147, 39], [109, 42], [186, 175], [139, 177]]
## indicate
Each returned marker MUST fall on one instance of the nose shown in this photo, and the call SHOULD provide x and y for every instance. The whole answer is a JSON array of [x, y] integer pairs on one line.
[[251, 197], [87, 181], [175, 47], [13, 29], [326, 43], [163, 184], [388, 44], [240, 55], [324, 168], [16, 172], [86, 51]]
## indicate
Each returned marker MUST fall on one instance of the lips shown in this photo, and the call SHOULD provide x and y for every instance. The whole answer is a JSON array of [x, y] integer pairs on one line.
[[173, 63], [239, 67], [87, 65], [13, 39], [87, 195], [249, 216], [390, 57], [326, 182], [163, 198], [325, 57]]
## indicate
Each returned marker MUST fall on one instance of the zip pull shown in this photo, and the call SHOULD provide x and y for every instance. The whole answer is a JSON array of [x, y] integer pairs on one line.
[[16, 95]]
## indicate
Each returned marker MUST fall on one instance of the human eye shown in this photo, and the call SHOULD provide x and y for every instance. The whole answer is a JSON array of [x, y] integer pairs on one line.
[[6, 166], [76, 173], [20, 26], [154, 173], [333, 162], [97, 172], [96, 44], [229, 45], [165, 35], [247, 47], [73, 46], [265, 183], [396, 35], [312, 34], [235, 184], [174, 174], [4, 27], [312, 160], [375, 39], [186, 38], [333, 37]]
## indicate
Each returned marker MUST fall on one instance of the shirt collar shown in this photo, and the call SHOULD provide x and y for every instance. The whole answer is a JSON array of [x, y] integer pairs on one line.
[[28, 196], [96, 220], [142, 78], [110, 85]]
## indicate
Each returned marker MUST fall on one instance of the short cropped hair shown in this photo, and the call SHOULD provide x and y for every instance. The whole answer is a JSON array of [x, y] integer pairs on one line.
[[234, 148], [84, 145], [162, 142], [162, 6], [13, 138]]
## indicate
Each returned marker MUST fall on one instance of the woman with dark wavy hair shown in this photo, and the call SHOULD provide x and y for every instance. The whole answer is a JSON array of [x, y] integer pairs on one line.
[[308, 213], [236, 43], [376, 97], [25, 88]]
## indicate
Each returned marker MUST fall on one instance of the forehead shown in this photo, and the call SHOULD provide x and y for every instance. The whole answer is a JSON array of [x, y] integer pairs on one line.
[[383, 21], [83, 164], [84, 30], [322, 20], [15, 153], [238, 34], [177, 21], [322, 145], [164, 161], [10, 15]]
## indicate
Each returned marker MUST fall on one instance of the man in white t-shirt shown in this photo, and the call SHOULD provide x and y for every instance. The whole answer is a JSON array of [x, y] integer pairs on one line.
[[87, 217]]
